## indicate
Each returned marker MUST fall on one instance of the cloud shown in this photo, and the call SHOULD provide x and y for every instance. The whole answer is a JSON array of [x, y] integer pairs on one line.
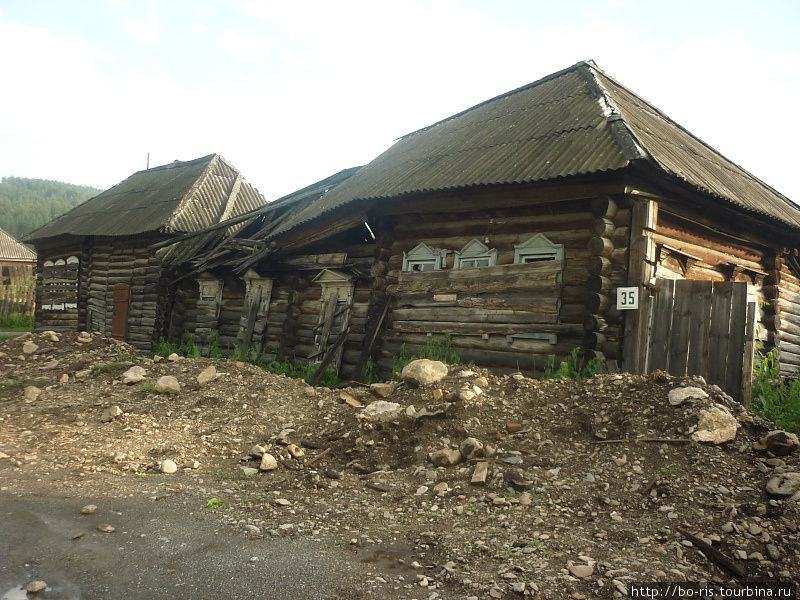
[[143, 30], [247, 47], [199, 28]]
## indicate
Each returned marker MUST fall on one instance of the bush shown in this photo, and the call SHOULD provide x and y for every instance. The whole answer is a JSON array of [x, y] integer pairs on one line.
[[773, 399], [17, 322], [571, 368]]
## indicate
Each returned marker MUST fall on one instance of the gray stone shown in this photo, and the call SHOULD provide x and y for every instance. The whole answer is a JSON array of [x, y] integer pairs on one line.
[[173, 357], [34, 587], [773, 552], [31, 393], [29, 347], [716, 425], [257, 451], [134, 375], [169, 467], [472, 448], [89, 509], [207, 375], [423, 372], [382, 390], [249, 471], [580, 571], [680, 395], [380, 411], [111, 413], [783, 485], [168, 385], [268, 463], [466, 395], [447, 457], [779, 442]]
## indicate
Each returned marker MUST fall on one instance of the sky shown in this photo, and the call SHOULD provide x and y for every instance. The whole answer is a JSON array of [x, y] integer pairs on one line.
[[291, 92]]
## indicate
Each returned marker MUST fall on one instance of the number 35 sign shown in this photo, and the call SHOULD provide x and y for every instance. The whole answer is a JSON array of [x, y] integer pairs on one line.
[[627, 298]]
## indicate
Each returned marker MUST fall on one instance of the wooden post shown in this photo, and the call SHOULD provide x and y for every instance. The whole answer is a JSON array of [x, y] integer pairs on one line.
[[749, 353], [644, 215]]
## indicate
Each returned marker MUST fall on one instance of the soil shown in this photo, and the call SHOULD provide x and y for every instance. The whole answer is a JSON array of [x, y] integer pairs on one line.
[[592, 485]]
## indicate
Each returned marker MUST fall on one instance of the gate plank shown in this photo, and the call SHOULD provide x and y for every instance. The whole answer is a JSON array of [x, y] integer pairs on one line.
[[733, 379], [720, 332], [679, 336], [699, 324], [749, 355], [662, 322]]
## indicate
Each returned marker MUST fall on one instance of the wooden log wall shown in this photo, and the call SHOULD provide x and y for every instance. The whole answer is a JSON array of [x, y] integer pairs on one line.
[[230, 313], [481, 308], [608, 257], [782, 292], [67, 319], [128, 262]]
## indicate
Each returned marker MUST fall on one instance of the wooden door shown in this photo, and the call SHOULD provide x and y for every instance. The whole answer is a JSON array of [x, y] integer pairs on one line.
[[122, 303], [703, 328]]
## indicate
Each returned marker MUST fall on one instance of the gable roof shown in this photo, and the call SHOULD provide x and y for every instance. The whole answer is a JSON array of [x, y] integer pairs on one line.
[[175, 198], [578, 121], [12, 250]]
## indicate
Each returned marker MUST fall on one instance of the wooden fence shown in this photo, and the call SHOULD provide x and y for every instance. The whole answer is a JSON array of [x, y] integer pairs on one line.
[[704, 328], [17, 299]]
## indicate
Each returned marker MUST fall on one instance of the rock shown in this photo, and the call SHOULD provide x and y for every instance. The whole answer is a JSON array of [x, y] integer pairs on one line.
[[282, 502], [29, 347], [680, 395], [465, 373], [191, 464], [51, 336], [84, 337], [133, 375], [64, 378], [249, 471], [518, 587], [580, 571], [380, 411], [447, 457], [716, 425], [481, 382], [441, 488], [268, 463], [158, 358], [252, 530], [773, 552], [382, 390], [173, 357], [466, 395], [480, 473], [257, 451], [168, 385], [779, 442], [207, 375], [513, 427], [472, 448], [783, 485], [423, 372], [421, 490], [89, 509], [169, 467], [34, 587], [111, 413], [437, 394], [350, 400], [516, 479], [31, 393], [296, 451], [106, 528]]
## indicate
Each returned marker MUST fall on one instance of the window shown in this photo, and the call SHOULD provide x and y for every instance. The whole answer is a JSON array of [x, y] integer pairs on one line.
[[538, 249], [60, 283], [423, 258], [475, 254]]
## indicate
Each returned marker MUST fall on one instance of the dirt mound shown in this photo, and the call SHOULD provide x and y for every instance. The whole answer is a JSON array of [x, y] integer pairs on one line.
[[589, 486]]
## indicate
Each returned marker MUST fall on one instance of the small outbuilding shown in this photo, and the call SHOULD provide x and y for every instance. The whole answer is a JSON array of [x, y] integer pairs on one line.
[[17, 261]]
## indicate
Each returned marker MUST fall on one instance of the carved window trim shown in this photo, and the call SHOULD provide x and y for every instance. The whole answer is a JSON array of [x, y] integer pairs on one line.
[[538, 248], [423, 258], [474, 255]]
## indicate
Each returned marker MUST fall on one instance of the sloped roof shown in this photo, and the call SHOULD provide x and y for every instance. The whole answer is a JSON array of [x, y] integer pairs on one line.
[[578, 121], [175, 198], [12, 250]]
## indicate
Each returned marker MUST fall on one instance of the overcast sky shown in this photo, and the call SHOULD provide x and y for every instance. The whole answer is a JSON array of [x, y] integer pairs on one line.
[[291, 92]]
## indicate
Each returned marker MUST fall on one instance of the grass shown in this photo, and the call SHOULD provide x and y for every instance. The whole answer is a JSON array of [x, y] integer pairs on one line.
[[774, 399], [149, 388], [16, 322], [437, 348], [572, 367], [7, 385], [216, 504]]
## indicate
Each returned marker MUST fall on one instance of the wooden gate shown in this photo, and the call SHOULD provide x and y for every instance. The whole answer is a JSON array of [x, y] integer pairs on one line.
[[704, 328], [122, 302]]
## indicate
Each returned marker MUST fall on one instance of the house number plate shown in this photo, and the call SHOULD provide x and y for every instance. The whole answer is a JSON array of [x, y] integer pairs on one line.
[[627, 298]]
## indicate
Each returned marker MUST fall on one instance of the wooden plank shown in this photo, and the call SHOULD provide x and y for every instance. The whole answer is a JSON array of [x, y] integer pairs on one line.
[[679, 336], [483, 279], [749, 354], [719, 332], [541, 314], [662, 323], [699, 325], [733, 379]]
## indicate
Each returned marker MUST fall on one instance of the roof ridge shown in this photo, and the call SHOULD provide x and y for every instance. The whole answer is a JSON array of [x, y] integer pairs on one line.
[[174, 164], [666, 117], [169, 226], [527, 86]]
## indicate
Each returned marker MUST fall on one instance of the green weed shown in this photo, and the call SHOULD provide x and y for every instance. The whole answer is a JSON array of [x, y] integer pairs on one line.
[[214, 351], [216, 504], [437, 348], [16, 322], [776, 400], [572, 367]]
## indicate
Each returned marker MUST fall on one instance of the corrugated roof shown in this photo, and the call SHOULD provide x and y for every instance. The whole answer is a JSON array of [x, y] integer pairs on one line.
[[175, 198], [578, 121], [13, 250]]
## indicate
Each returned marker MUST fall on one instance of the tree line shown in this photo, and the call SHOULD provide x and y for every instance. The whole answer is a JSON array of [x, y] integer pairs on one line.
[[26, 204]]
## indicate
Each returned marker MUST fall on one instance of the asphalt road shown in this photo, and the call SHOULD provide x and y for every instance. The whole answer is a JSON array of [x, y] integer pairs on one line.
[[158, 551]]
